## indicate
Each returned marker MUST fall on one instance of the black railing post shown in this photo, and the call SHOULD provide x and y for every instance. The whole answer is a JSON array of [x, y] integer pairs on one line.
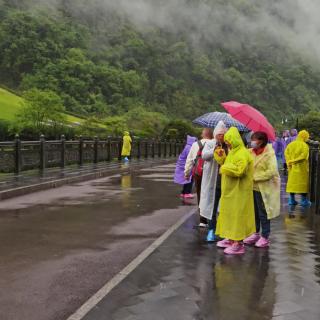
[[146, 148], [175, 148], [109, 149], [165, 149], [159, 148], [120, 143], [139, 149], [170, 148], [153, 149], [80, 151], [96, 150], [63, 151], [42, 153], [17, 155]]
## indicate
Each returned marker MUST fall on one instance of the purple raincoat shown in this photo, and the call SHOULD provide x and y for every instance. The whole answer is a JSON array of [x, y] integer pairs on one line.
[[292, 137], [279, 146], [179, 173]]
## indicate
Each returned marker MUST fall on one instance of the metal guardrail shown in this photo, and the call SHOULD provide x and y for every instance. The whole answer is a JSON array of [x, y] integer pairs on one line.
[[17, 155], [314, 172]]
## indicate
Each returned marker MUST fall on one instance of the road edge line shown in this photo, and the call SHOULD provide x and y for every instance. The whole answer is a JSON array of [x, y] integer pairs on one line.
[[120, 276]]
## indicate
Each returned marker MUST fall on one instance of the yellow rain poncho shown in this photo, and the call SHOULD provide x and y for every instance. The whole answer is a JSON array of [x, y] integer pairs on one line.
[[297, 156], [236, 220], [126, 148], [267, 180]]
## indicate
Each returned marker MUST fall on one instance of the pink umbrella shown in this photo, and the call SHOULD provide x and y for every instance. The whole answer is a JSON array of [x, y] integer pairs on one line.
[[250, 117]]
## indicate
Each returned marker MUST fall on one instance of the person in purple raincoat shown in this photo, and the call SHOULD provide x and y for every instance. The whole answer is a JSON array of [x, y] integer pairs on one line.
[[293, 136], [279, 148], [179, 176], [285, 141]]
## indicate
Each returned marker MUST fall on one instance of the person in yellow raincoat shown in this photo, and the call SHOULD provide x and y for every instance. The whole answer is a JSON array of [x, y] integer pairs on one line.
[[297, 157], [236, 220], [126, 147], [266, 189]]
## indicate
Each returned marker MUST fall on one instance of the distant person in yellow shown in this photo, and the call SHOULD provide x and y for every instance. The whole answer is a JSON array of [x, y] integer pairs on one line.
[[266, 189], [236, 220], [297, 157], [126, 147]]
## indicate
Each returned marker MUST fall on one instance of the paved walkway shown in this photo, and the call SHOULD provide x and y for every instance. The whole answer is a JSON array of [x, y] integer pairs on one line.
[[185, 278]]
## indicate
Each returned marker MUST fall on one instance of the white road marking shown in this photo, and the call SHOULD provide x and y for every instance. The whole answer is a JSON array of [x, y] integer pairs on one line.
[[105, 290]]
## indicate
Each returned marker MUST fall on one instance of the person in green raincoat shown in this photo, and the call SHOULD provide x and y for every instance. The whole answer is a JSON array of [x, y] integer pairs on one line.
[[236, 220], [297, 157], [126, 147]]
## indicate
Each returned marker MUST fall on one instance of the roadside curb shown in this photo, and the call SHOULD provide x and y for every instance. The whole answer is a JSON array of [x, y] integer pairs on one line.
[[55, 183]]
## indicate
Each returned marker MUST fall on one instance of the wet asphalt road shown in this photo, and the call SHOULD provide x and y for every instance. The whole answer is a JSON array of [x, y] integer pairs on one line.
[[58, 247], [188, 279]]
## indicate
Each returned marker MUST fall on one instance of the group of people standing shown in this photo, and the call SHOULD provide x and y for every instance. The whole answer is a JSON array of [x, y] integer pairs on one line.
[[238, 187]]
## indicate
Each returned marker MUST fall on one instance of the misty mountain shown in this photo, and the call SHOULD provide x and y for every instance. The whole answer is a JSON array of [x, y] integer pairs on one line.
[[178, 57]]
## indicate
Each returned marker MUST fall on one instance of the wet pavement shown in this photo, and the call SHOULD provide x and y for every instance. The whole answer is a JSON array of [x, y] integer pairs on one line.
[[59, 246], [12, 185], [185, 278]]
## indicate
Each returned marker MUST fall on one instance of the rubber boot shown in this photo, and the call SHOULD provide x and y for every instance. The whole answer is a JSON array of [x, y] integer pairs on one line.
[[292, 200], [211, 237], [305, 202]]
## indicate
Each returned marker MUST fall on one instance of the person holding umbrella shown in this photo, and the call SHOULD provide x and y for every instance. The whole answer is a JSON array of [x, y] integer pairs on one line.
[[297, 157], [236, 219]]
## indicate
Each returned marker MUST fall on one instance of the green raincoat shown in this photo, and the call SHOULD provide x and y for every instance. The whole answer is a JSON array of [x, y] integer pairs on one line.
[[236, 220]]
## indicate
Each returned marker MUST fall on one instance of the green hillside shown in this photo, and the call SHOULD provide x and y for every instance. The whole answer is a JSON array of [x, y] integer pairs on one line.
[[11, 103], [106, 63]]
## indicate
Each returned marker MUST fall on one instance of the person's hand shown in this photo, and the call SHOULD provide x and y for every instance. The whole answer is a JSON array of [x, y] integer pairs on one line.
[[186, 177]]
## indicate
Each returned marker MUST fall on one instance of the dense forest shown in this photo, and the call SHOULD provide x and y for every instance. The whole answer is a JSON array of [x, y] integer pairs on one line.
[[105, 65]]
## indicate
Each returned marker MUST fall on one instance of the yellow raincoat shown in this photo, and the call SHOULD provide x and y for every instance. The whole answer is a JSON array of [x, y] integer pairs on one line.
[[126, 148], [236, 220], [267, 180], [297, 156]]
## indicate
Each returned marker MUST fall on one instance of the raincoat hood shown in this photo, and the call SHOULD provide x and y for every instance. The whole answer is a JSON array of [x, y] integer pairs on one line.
[[126, 133], [304, 135], [233, 138], [295, 132], [191, 140], [220, 129]]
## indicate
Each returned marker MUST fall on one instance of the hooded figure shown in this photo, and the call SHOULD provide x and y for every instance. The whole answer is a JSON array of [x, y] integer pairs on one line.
[[293, 136], [279, 148], [236, 220], [297, 156], [267, 180], [179, 176], [210, 174], [126, 147]]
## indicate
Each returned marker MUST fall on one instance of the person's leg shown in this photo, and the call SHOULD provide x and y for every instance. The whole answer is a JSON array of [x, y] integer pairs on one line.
[[256, 210], [304, 200], [188, 188], [197, 182], [292, 200], [265, 222], [256, 236], [183, 192], [213, 222]]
